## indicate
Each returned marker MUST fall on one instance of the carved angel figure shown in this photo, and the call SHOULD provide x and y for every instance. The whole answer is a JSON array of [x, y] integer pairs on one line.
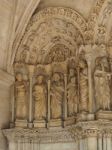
[[102, 88], [83, 84], [40, 96], [21, 97], [57, 95], [72, 96]]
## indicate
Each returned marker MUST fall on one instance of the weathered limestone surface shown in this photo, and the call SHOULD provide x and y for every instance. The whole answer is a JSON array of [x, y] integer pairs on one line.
[[55, 74]]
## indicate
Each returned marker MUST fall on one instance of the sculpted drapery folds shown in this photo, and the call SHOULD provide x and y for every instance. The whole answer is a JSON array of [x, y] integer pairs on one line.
[[72, 93], [83, 84], [40, 98], [21, 97], [102, 86], [57, 94]]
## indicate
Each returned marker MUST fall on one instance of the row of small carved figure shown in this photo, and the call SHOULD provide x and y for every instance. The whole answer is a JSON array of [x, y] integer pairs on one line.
[[41, 93], [76, 92]]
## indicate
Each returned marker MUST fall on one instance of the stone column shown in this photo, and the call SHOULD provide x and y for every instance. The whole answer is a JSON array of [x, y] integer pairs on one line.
[[35, 145], [100, 142], [48, 105], [12, 145], [92, 136], [32, 145], [109, 141], [31, 71], [90, 86], [27, 144], [104, 142], [85, 144], [23, 141], [19, 144], [81, 144], [12, 106], [65, 97], [92, 143]]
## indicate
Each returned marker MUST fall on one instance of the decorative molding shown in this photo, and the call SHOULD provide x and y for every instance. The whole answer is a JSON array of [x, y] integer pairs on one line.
[[69, 134], [92, 21], [20, 31]]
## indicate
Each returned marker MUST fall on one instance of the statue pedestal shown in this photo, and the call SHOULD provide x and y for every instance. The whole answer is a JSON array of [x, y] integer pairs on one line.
[[30, 125], [69, 121], [21, 123], [39, 124], [104, 115], [12, 124], [55, 123], [84, 116]]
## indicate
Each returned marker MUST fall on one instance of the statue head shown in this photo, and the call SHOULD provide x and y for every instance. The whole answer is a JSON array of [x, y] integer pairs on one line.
[[102, 63], [103, 47], [82, 64], [71, 72], [40, 79], [19, 77], [73, 80], [56, 77]]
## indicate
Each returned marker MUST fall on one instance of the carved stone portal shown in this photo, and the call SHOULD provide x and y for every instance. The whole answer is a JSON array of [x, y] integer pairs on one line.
[[62, 78]]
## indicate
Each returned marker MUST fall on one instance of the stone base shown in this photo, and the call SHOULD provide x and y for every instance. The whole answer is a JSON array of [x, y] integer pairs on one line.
[[21, 123], [40, 124], [55, 123], [84, 116], [104, 115], [30, 125], [69, 121], [12, 124]]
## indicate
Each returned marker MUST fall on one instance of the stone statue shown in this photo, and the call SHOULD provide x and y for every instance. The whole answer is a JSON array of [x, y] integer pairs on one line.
[[40, 97], [102, 87], [72, 96], [57, 96], [21, 97], [83, 86], [71, 73]]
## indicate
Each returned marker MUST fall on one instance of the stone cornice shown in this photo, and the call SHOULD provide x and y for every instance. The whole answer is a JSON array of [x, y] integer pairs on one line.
[[55, 135]]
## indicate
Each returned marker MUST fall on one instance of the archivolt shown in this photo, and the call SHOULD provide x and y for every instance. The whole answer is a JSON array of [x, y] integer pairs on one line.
[[52, 26]]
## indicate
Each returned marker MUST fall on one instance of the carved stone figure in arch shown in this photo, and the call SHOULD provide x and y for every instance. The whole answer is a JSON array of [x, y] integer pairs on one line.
[[40, 98], [72, 73], [21, 97], [83, 85], [72, 93], [57, 96], [24, 55], [102, 87]]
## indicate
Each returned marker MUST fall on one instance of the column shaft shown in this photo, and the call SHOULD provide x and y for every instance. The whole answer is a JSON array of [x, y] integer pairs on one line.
[[92, 143]]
